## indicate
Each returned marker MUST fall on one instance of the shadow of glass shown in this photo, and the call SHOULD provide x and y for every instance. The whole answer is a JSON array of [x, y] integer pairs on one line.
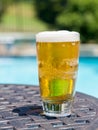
[[28, 110], [32, 110]]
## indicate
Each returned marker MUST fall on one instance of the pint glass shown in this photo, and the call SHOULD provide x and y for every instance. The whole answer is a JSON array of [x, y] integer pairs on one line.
[[57, 53]]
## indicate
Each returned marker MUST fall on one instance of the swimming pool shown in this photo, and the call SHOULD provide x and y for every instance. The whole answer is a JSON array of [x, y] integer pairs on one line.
[[23, 70]]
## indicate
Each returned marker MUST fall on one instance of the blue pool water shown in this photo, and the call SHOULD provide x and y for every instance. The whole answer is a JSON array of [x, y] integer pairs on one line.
[[23, 70]]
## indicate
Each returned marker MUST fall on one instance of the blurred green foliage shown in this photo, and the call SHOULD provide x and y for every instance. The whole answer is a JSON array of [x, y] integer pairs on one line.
[[78, 15], [48, 10], [5, 3], [19, 16], [3, 7]]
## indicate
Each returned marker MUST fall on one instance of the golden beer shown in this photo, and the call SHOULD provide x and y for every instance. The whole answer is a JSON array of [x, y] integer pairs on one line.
[[58, 65]]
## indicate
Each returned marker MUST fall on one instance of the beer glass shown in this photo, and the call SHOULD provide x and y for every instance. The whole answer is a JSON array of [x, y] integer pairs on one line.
[[57, 53]]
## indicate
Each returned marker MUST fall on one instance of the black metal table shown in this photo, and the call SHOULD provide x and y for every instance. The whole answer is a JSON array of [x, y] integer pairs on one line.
[[20, 109]]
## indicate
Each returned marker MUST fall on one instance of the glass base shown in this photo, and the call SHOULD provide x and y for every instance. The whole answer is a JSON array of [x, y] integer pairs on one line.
[[57, 110]]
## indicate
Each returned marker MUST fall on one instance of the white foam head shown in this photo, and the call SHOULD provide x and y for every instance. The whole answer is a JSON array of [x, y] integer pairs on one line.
[[58, 36]]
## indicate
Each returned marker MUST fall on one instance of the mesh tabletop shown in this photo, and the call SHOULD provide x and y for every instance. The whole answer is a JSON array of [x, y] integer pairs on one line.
[[20, 109]]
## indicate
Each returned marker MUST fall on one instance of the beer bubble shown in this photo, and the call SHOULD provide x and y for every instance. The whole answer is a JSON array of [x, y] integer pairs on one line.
[[63, 45], [73, 43]]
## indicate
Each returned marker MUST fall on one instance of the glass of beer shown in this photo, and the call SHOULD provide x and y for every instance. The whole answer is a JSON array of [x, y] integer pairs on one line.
[[57, 53]]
